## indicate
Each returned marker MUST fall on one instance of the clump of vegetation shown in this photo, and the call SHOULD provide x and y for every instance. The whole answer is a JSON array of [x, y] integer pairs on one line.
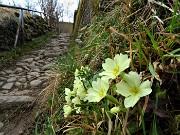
[[123, 78]]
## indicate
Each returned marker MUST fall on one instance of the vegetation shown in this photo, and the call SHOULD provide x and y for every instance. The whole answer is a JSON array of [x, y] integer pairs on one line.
[[145, 32], [9, 57]]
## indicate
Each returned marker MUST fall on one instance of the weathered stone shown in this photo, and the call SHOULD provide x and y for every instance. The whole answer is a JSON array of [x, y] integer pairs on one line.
[[37, 58], [3, 79], [8, 71], [29, 60], [1, 125], [2, 73], [33, 73], [22, 80], [36, 70], [19, 93], [12, 101], [1, 83], [5, 91], [8, 86], [12, 79], [20, 64], [18, 70], [35, 83], [48, 66], [25, 85], [18, 84], [2, 133]]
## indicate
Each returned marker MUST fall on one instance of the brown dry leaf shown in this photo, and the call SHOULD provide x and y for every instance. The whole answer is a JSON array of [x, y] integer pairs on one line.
[[155, 65]]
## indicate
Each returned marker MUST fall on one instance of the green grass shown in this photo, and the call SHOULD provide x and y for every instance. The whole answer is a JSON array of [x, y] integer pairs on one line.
[[9, 57]]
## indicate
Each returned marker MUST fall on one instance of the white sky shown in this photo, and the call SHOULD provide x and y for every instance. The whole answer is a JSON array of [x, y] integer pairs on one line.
[[73, 6]]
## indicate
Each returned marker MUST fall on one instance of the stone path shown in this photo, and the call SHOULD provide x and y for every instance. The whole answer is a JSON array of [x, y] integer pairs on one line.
[[21, 82]]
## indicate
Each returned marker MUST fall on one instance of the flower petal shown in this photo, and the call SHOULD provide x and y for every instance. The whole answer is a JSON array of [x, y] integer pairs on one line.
[[133, 79], [109, 65], [131, 101], [144, 89], [123, 89]]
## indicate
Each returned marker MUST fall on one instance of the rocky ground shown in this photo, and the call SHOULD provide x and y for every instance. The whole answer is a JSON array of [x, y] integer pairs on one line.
[[21, 83]]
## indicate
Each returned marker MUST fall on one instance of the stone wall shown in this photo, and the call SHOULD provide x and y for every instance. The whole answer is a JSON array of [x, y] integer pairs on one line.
[[66, 27], [9, 18]]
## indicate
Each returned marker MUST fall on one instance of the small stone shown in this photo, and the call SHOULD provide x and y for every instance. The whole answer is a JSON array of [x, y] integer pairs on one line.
[[8, 86], [37, 58], [4, 91], [3, 79], [22, 80], [29, 60], [20, 64], [29, 77], [25, 85], [1, 83], [18, 70], [2, 133], [18, 84], [2, 73], [48, 66], [35, 83], [8, 71], [36, 70], [1, 125], [33, 73], [12, 79]]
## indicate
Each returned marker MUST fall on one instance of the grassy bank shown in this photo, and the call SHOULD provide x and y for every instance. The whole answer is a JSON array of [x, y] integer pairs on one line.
[[9, 57]]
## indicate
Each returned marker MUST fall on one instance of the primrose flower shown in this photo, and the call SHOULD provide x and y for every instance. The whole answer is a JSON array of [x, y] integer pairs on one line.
[[114, 67], [81, 92], [98, 90], [76, 101], [67, 110], [133, 89]]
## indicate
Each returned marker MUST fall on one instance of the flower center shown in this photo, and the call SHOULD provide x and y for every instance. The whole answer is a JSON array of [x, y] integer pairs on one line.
[[116, 70], [101, 93], [134, 91]]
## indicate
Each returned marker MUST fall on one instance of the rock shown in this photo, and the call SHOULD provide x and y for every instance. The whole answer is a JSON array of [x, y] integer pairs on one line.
[[36, 70], [48, 66], [18, 70], [22, 80], [1, 125], [8, 71], [3, 79], [19, 93], [33, 73], [2, 73], [48, 54], [1, 83], [35, 83], [12, 79], [37, 58], [8, 86], [13, 101], [5, 91], [29, 60], [18, 84], [2, 133], [29, 77], [20, 64], [25, 85]]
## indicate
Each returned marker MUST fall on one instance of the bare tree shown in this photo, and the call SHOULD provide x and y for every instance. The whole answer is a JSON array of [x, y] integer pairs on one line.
[[29, 4], [49, 8]]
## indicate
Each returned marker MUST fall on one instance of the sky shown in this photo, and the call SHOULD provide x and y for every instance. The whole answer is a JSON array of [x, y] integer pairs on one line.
[[66, 18]]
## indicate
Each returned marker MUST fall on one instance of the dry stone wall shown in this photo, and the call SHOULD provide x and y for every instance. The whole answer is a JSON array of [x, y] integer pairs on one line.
[[34, 26]]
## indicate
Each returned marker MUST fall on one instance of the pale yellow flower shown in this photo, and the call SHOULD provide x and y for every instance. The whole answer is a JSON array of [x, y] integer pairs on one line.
[[76, 101], [113, 67], [133, 89], [67, 110], [98, 90]]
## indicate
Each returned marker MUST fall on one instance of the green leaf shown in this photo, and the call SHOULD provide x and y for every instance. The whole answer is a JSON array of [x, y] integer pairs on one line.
[[151, 69], [112, 99]]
